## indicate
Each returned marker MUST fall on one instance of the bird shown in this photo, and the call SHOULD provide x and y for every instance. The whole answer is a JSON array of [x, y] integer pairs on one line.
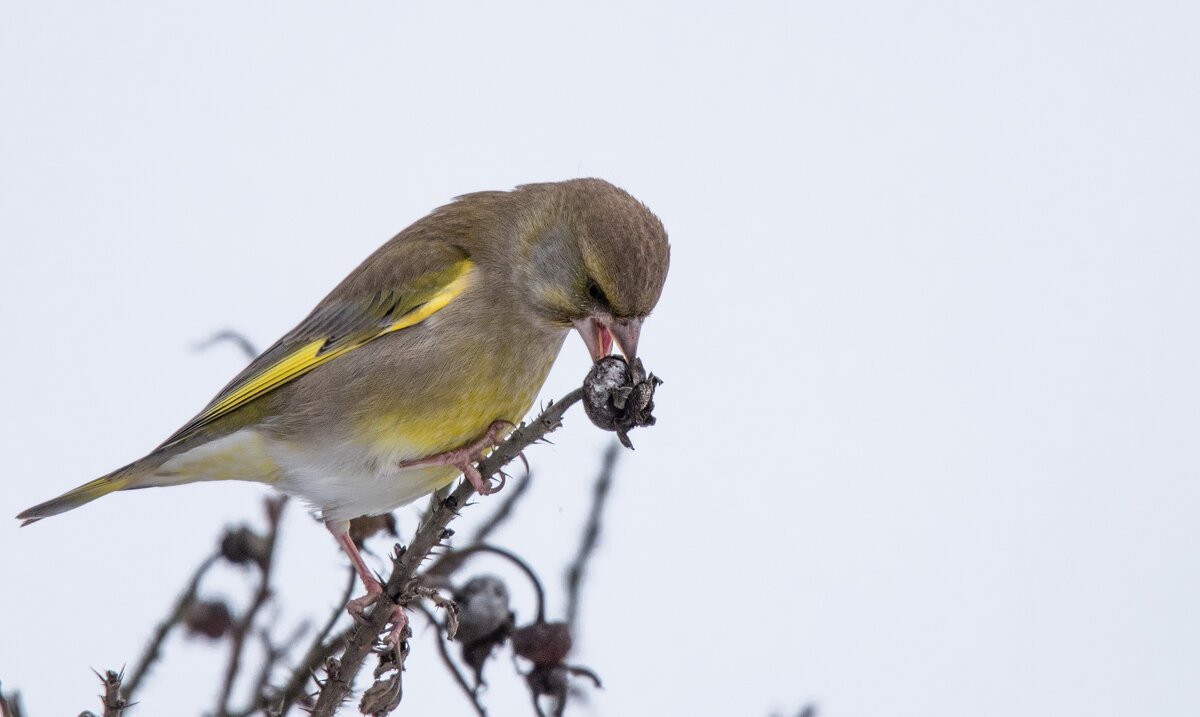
[[422, 358]]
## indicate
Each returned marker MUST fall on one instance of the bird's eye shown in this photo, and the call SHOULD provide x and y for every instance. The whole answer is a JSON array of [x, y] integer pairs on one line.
[[596, 292]]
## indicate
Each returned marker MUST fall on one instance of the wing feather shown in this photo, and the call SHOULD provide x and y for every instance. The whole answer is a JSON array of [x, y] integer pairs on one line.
[[334, 328]]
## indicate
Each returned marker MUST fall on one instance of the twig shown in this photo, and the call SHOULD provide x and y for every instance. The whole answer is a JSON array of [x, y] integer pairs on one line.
[[242, 628], [502, 513], [317, 653], [235, 337], [537, 707], [587, 548], [458, 676], [114, 704], [515, 560], [142, 666], [591, 533], [429, 534], [261, 697], [10, 704], [151, 654], [448, 562]]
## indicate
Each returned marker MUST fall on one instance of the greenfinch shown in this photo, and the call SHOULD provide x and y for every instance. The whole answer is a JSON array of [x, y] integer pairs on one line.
[[422, 358]]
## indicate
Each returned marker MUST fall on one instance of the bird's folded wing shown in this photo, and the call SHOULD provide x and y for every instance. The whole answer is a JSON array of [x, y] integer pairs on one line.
[[338, 325]]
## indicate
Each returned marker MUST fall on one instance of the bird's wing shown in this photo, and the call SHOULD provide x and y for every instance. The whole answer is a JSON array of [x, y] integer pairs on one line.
[[340, 324]]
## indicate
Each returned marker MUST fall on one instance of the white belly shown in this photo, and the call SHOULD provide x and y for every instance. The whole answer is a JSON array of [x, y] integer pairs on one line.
[[341, 480], [345, 481]]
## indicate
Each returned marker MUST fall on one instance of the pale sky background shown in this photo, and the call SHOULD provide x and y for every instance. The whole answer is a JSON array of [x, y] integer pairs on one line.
[[928, 441]]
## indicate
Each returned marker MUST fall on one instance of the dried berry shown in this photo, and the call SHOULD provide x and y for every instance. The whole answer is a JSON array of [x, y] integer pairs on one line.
[[618, 396], [548, 680], [368, 525], [484, 620], [482, 608], [242, 545], [210, 618], [542, 643]]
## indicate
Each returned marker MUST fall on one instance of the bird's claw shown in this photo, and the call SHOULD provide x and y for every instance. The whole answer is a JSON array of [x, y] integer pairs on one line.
[[464, 458], [358, 606], [398, 621]]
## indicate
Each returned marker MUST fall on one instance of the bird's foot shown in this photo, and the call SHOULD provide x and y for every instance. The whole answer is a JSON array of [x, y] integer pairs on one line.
[[464, 458], [358, 606], [398, 621]]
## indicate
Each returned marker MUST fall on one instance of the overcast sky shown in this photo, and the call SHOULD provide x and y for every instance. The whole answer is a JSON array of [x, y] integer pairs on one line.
[[928, 441]]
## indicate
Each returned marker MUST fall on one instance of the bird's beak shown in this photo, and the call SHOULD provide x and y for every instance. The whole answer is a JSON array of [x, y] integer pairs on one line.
[[596, 335], [626, 333], [599, 332]]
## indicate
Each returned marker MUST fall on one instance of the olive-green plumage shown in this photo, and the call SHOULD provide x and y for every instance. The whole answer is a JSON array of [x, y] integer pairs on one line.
[[448, 327]]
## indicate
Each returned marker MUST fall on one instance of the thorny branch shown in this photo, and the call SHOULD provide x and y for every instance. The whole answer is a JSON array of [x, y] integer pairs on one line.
[[114, 704], [445, 564], [611, 394], [430, 533]]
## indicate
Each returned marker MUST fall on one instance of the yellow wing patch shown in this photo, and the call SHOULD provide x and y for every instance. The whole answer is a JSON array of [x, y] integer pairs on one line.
[[322, 350]]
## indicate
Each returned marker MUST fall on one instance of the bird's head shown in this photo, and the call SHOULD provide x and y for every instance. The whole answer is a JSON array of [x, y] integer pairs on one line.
[[596, 260]]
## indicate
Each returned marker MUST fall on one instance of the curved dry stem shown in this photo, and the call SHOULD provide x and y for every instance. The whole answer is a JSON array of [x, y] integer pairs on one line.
[[515, 560]]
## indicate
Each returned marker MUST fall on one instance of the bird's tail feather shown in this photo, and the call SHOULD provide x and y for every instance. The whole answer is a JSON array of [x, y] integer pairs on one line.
[[86, 493]]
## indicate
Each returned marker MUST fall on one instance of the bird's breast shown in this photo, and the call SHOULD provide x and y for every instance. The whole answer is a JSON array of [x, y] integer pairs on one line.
[[461, 386], [430, 388]]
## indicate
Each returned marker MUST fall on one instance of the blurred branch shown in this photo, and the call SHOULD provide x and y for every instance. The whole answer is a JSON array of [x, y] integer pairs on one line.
[[502, 513], [513, 558], [261, 698], [318, 652], [154, 648], [234, 337], [406, 562], [265, 559], [591, 533], [10, 704], [449, 661], [576, 571], [445, 564]]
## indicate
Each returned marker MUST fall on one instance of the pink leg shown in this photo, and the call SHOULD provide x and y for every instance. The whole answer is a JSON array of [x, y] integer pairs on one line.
[[358, 606], [465, 457]]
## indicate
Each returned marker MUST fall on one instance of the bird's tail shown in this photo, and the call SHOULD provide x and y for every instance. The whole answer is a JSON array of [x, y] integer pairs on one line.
[[86, 493]]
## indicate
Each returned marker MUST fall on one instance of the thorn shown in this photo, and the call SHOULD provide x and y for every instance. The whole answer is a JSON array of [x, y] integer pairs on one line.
[[623, 437]]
